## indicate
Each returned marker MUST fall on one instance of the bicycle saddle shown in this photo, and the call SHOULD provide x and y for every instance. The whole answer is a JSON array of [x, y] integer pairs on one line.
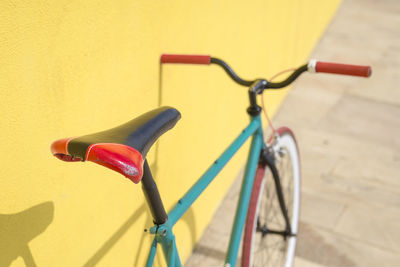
[[123, 148]]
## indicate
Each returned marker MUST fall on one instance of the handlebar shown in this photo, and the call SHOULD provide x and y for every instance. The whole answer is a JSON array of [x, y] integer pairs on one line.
[[313, 66]]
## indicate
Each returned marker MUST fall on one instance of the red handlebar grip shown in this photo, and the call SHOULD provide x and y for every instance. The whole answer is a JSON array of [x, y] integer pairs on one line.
[[186, 59], [346, 69]]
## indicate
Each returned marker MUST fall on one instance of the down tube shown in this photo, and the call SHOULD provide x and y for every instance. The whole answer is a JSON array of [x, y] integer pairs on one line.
[[244, 198]]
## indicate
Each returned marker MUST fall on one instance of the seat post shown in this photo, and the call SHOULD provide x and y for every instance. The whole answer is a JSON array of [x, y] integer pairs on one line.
[[153, 196]]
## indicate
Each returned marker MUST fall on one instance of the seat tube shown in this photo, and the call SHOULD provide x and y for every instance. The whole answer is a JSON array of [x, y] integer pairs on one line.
[[166, 238], [245, 193], [152, 254]]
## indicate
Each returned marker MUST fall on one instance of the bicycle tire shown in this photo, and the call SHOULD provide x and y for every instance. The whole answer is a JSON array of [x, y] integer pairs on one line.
[[267, 249]]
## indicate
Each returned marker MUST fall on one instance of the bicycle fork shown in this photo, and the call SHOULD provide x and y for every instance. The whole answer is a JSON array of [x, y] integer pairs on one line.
[[268, 159]]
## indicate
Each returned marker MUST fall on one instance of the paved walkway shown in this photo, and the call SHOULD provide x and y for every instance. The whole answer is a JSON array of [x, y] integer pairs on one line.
[[349, 136]]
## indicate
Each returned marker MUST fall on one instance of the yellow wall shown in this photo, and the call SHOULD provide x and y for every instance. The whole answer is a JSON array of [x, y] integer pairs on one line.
[[74, 67]]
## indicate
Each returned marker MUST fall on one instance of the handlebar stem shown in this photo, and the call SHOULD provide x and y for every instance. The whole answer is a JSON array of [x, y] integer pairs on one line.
[[256, 88]]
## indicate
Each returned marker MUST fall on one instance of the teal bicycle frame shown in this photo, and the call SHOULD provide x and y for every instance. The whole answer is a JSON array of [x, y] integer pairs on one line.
[[164, 234]]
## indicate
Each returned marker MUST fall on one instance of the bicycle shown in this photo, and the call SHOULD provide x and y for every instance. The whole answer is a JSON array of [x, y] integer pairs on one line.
[[268, 208]]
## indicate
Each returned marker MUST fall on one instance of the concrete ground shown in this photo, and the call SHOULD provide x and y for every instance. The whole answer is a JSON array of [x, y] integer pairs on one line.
[[348, 131]]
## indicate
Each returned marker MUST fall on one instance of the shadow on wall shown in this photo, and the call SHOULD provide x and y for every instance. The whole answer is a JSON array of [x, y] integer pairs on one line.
[[18, 229]]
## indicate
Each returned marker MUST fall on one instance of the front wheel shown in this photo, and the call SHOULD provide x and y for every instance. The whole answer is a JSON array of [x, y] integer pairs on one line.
[[266, 241]]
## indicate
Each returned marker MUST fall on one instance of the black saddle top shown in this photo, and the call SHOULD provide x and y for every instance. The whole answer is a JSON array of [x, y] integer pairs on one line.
[[139, 133]]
